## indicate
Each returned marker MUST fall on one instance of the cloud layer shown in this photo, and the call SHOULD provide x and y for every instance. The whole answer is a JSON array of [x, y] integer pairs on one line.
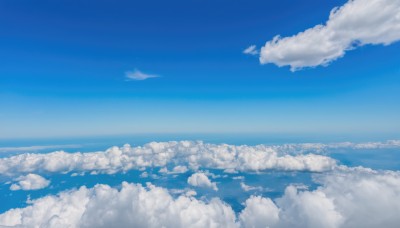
[[193, 155], [356, 23], [131, 206], [348, 197]]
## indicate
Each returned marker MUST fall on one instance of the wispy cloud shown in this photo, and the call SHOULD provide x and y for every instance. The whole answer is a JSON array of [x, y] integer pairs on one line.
[[251, 50], [137, 75], [38, 148]]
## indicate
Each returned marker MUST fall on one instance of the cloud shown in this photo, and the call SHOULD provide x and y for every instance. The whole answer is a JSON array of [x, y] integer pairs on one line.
[[356, 23], [192, 154], [185, 155], [348, 197], [321, 147], [248, 188], [131, 206], [176, 170], [37, 148], [259, 212], [201, 180], [251, 50], [29, 182], [138, 75]]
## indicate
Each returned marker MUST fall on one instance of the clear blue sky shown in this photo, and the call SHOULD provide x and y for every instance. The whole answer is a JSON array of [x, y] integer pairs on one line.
[[63, 65]]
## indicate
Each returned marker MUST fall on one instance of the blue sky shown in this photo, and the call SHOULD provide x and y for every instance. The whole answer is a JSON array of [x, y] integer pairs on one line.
[[63, 66]]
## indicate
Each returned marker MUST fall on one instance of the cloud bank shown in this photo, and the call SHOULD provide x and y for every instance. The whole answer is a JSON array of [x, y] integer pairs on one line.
[[190, 154], [29, 182], [356, 23], [348, 197]]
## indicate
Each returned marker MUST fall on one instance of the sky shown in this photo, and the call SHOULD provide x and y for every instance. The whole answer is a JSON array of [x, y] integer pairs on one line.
[[200, 113], [96, 67]]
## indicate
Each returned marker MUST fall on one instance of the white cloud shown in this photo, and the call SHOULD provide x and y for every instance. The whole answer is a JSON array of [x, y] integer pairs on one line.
[[37, 148], [248, 188], [29, 182], [176, 170], [201, 180], [179, 169], [238, 178], [138, 75], [144, 175], [251, 50], [184, 155], [131, 206], [356, 23], [259, 212], [321, 147], [160, 154], [347, 197]]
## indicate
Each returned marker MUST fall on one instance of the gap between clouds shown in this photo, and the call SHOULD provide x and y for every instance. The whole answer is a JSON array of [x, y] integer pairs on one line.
[[356, 23]]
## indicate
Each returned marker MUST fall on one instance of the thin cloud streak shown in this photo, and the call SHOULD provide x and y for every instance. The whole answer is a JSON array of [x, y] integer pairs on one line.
[[137, 75]]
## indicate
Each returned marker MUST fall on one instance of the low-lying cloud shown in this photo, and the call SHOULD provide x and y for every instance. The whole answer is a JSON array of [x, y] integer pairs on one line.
[[191, 154], [347, 197]]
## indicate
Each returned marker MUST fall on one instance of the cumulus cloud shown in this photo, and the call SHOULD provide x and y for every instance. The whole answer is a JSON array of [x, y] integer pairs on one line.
[[350, 197], [251, 50], [191, 154], [259, 212], [201, 180], [131, 206], [29, 182], [356, 23], [347, 197], [138, 75]]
